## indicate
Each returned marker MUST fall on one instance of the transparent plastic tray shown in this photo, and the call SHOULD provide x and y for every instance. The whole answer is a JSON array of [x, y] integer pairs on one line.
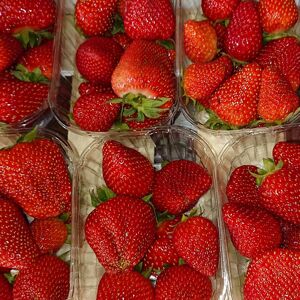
[[65, 92], [9, 138], [160, 144], [246, 150]]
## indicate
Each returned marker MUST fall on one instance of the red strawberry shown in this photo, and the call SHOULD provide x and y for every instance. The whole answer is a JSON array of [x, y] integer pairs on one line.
[[290, 235], [275, 275], [17, 246], [201, 80], [121, 8], [34, 174], [218, 9], [152, 20], [92, 112], [122, 39], [288, 152], [179, 185], [235, 101], [95, 17], [120, 231], [181, 283], [277, 15], [97, 57], [221, 33], [20, 100], [125, 170], [86, 88], [161, 254], [10, 50], [241, 187], [253, 230], [26, 14], [49, 234], [47, 278], [283, 54], [244, 35], [197, 242], [167, 227], [276, 97], [200, 41], [5, 289], [127, 285], [147, 123]]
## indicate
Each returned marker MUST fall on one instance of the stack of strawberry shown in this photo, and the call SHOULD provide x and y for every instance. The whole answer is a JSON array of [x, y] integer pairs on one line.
[[34, 185], [263, 218], [128, 64], [131, 230], [25, 57], [261, 88]]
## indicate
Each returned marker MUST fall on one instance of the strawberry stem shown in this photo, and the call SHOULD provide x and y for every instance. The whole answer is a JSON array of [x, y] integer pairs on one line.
[[23, 74], [32, 38]]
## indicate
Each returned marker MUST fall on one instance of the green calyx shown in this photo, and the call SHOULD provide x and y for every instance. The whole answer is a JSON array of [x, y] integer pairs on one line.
[[214, 122], [163, 216], [101, 195], [29, 136], [30, 38], [11, 278], [271, 37], [118, 25], [168, 44], [23, 74]]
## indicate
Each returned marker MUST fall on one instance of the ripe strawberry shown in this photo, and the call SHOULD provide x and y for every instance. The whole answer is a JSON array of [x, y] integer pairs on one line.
[[221, 33], [125, 170], [166, 228], [201, 80], [10, 50], [179, 185], [34, 174], [86, 88], [127, 285], [26, 14], [283, 54], [95, 17], [241, 187], [92, 112], [290, 235], [47, 278], [288, 152], [200, 41], [243, 39], [17, 246], [181, 283], [276, 97], [49, 234], [275, 275], [147, 123], [277, 15], [161, 254], [120, 231], [97, 57], [253, 230], [235, 101], [122, 39], [5, 289], [218, 9], [151, 20], [197, 242], [121, 8]]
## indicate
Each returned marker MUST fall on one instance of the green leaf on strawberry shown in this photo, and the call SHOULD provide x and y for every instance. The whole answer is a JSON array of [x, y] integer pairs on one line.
[[101, 195], [30, 38], [118, 25], [23, 74]]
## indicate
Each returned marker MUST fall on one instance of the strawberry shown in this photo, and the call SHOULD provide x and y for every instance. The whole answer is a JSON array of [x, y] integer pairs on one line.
[[152, 20], [253, 230], [121, 8], [218, 9], [179, 185], [127, 285], [97, 57], [125, 170], [277, 15], [18, 15], [17, 246], [20, 100], [181, 283], [200, 41], [166, 228], [49, 234], [201, 80], [283, 54], [241, 187], [275, 275], [122, 39], [86, 88], [288, 152], [235, 101], [34, 174], [276, 97], [290, 235], [5, 289], [243, 39], [161, 254], [147, 123], [120, 231], [196, 241], [92, 112], [221, 33], [10, 50], [95, 17], [47, 278]]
